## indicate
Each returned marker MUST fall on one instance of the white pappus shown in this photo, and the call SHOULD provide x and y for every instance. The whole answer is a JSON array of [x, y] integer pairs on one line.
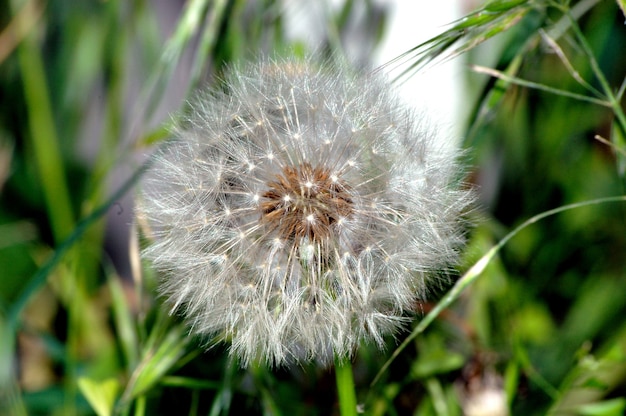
[[301, 210]]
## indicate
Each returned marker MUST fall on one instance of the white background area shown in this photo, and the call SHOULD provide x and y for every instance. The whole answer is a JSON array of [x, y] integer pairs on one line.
[[437, 89]]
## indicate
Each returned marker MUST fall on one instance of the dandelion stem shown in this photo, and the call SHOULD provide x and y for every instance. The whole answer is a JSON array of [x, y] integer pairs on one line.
[[345, 386]]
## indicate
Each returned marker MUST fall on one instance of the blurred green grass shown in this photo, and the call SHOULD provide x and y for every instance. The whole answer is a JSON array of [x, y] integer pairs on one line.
[[85, 92]]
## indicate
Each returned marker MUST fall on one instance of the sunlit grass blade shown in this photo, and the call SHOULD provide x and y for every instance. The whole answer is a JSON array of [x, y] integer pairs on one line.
[[494, 18], [472, 274]]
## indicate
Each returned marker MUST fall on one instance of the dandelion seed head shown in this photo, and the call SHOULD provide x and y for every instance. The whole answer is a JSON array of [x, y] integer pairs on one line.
[[301, 212]]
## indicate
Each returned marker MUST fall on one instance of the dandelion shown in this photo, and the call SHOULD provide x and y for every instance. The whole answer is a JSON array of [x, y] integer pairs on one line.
[[301, 211]]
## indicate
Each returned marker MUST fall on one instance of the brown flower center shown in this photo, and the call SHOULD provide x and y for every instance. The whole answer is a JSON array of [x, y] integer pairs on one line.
[[305, 201]]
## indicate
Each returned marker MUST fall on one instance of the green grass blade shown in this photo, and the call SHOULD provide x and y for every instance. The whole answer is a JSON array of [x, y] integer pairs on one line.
[[190, 383], [158, 81], [208, 41], [158, 360], [35, 283], [44, 138], [124, 322]]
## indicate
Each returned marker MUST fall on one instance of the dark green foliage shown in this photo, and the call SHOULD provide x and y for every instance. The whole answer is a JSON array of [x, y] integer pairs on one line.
[[543, 323]]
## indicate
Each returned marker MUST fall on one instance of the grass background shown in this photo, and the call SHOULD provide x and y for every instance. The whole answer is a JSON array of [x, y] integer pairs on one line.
[[85, 92]]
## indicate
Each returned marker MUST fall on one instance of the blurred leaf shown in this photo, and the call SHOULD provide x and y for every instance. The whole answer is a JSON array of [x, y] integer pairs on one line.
[[383, 404], [18, 232], [598, 303], [434, 357], [613, 407], [492, 97], [618, 139], [45, 140], [101, 395], [10, 399], [533, 323], [594, 377], [155, 136], [438, 397], [511, 381]]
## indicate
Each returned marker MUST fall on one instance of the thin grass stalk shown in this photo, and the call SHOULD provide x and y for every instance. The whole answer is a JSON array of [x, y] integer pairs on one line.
[[542, 87], [606, 87], [472, 274]]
